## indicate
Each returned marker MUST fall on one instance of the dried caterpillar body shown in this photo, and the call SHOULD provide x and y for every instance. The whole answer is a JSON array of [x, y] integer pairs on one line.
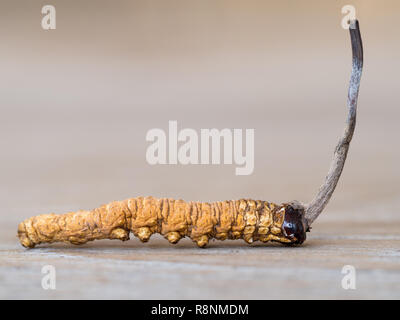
[[250, 220]]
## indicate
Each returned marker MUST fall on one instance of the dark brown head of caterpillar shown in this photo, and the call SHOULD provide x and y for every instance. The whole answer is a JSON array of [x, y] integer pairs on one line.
[[294, 226]]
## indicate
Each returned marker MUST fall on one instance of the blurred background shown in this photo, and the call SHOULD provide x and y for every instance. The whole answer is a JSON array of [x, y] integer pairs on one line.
[[76, 104]]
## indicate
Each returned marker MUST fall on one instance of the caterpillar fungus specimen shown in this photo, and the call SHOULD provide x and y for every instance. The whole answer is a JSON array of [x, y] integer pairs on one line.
[[241, 219]]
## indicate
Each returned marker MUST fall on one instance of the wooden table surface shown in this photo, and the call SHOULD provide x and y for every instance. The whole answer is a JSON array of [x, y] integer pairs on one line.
[[225, 270]]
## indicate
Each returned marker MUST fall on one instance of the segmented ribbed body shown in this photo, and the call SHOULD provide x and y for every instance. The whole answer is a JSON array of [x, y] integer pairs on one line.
[[250, 220]]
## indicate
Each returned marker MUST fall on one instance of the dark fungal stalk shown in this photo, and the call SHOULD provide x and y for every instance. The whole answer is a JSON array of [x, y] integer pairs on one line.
[[315, 207]]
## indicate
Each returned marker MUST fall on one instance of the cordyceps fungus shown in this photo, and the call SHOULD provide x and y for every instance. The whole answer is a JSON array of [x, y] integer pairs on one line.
[[246, 219]]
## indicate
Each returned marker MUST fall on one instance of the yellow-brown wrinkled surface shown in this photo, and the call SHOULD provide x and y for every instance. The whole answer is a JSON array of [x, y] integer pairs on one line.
[[236, 219]]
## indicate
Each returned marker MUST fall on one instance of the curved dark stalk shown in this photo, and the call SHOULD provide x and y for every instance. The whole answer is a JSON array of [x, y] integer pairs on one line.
[[315, 207]]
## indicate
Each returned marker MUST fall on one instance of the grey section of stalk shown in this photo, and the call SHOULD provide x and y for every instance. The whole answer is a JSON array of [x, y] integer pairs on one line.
[[315, 207]]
